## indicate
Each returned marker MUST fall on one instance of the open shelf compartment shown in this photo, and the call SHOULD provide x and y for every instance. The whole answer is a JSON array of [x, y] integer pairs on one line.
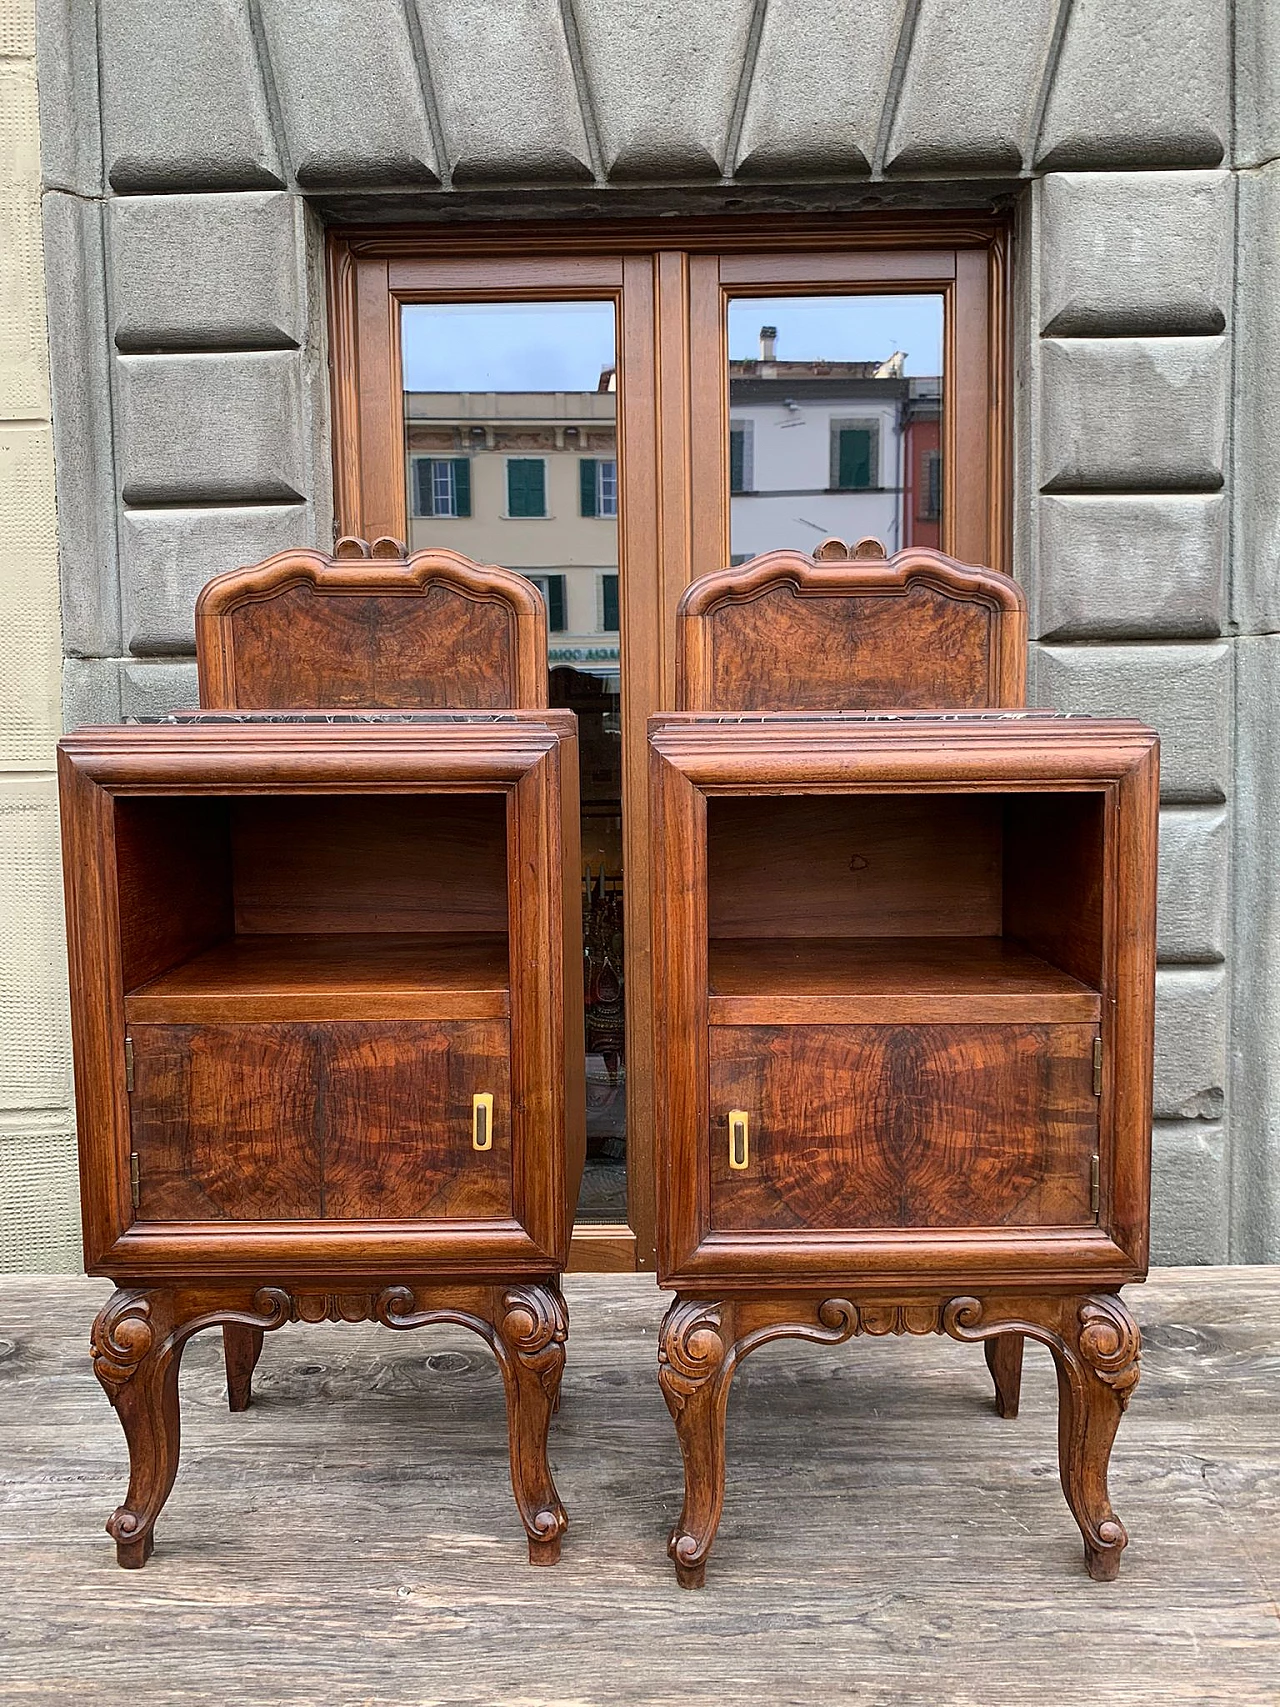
[[905, 908], [313, 907]]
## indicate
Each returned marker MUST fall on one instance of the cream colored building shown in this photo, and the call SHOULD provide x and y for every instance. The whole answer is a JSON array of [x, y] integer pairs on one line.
[[527, 479], [39, 1218]]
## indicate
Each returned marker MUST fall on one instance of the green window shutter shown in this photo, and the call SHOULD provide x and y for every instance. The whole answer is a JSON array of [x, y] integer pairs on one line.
[[737, 460], [422, 486], [854, 461], [609, 603], [554, 588], [462, 485], [526, 486], [587, 478]]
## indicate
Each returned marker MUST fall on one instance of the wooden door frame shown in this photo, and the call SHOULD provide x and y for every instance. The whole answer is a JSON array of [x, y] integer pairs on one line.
[[669, 280]]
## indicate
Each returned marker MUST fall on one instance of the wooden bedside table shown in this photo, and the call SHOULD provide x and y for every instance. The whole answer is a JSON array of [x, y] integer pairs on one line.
[[320, 967], [906, 970]]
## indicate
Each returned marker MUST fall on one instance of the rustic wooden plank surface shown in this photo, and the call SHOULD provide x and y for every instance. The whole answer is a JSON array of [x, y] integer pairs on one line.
[[886, 1539]]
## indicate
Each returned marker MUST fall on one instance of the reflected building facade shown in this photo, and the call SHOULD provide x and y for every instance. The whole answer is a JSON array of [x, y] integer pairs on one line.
[[529, 480], [820, 448]]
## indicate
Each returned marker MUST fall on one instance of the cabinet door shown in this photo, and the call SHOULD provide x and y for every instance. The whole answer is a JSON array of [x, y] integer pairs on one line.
[[398, 1141], [348, 1121], [866, 1126]]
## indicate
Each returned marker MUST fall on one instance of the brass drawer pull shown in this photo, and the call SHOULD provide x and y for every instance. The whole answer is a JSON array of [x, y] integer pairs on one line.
[[739, 1140], [482, 1121]]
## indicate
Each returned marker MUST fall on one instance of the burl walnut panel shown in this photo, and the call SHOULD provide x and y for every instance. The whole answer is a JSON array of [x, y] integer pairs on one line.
[[770, 653], [904, 1126], [298, 1122], [786, 632], [372, 652], [383, 631]]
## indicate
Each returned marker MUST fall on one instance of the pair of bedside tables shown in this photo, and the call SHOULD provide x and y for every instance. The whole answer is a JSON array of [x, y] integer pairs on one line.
[[326, 989]]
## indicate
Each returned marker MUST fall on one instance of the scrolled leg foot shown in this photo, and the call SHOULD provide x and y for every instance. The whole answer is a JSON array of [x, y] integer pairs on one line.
[[531, 1326], [1096, 1350], [136, 1357], [1004, 1360], [694, 1372], [241, 1349], [1098, 1368], [137, 1344]]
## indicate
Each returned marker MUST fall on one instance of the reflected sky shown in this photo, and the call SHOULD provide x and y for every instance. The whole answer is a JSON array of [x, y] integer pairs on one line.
[[500, 346], [841, 329]]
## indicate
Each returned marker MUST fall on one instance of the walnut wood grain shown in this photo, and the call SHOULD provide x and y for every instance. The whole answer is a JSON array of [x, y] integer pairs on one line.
[[241, 1350], [853, 865], [162, 921], [1094, 1341], [340, 975], [516, 767], [882, 980], [1004, 1361], [356, 863], [433, 629], [702, 763], [913, 1126], [140, 1334], [784, 631], [397, 1134]]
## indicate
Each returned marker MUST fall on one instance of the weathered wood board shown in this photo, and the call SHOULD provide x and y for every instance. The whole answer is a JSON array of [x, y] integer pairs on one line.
[[886, 1538]]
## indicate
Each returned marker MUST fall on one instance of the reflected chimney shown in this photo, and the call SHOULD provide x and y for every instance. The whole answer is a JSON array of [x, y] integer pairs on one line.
[[768, 343]]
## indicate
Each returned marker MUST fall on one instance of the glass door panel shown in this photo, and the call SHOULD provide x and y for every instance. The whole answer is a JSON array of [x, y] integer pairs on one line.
[[835, 421], [511, 457]]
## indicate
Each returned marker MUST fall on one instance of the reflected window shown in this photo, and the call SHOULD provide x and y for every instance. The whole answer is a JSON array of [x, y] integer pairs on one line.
[[511, 457], [552, 589], [855, 456], [526, 486], [740, 456], [835, 416], [441, 486], [598, 486]]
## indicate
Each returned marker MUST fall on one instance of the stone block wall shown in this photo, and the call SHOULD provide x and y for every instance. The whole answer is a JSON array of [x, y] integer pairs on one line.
[[39, 1225], [192, 154]]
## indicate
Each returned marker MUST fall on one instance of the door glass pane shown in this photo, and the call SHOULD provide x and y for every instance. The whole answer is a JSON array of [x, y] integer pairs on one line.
[[835, 421], [511, 457]]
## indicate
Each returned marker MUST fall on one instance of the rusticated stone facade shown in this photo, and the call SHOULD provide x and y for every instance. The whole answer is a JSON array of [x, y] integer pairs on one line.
[[192, 154]]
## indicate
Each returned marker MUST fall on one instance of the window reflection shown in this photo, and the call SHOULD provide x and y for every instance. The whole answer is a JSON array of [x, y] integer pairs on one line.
[[835, 406], [511, 457]]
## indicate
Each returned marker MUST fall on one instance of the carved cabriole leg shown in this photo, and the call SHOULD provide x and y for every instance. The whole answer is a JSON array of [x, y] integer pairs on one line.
[[526, 1326], [1097, 1347], [241, 1349], [1004, 1360], [137, 1344], [532, 1326], [701, 1344], [694, 1372]]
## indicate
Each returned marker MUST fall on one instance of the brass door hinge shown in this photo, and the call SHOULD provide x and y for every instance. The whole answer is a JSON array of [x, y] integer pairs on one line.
[[135, 1179], [128, 1064], [1097, 1066], [1095, 1185]]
